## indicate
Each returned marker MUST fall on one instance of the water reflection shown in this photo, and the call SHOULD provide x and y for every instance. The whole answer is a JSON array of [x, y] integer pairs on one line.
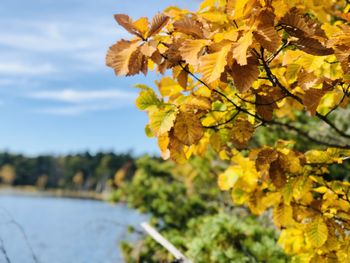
[[62, 230]]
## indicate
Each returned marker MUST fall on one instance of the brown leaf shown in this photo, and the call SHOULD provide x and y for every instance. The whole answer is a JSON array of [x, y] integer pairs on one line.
[[172, 54], [119, 55], [266, 98], [312, 46], [189, 26], [266, 33], [268, 38], [188, 128], [277, 175], [307, 80], [158, 22], [296, 24], [126, 22], [241, 133], [265, 158], [137, 63], [244, 76], [343, 56], [176, 149], [312, 99], [265, 107], [182, 78]]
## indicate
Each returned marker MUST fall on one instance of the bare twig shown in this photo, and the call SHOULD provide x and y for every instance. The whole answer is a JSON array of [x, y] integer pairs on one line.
[[3, 250]]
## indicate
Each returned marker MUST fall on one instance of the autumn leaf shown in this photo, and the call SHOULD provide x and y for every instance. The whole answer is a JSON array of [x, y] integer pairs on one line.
[[241, 47], [312, 98], [189, 26], [119, 55], [126, 22], [266, 33], [163, 143], [212, 65], [168, 87], [295, 24], [241, 133], [317, 232], [312, 46], [227, 179], [283, 215], [138, 62], [244, 76], [176, 148], [158, 22], [188, 129], [191, 48], [147, 98], [182, 78], [162, 119]]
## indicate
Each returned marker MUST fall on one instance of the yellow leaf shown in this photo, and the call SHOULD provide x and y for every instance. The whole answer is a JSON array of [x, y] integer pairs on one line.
[[283, 215], [215, 17], [168, 87], [316, 232], [176, 148], [142, 25], [292, 241], [191, 48], [212, 65], [228, 178], [188, 128], [163, 143], [162, 119], [241, 47], [239, 8]]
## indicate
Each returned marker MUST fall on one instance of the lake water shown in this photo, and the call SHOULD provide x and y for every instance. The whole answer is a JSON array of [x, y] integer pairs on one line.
[[60, 230]]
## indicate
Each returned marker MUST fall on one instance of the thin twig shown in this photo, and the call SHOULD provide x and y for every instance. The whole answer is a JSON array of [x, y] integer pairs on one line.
[[3, 250]]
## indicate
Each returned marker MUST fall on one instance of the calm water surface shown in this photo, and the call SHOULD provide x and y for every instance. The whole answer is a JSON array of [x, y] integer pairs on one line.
[[61, 230]]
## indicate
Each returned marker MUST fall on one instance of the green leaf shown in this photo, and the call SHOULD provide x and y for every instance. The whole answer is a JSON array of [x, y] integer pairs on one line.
[[162, 119], [147, 98]]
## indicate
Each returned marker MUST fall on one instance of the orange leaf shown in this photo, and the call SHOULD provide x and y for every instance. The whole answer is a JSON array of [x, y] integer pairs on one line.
[[158, 22], [126, 22], [189, 26], [118, 56]]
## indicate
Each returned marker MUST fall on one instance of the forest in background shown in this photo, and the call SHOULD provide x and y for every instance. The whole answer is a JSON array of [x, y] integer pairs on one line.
[[84, 171]]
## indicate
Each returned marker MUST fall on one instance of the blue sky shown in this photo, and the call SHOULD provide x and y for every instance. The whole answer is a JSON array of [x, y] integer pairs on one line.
[[56, 94]]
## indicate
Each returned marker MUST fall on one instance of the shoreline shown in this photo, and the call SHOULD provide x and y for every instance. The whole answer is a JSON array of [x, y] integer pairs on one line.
[[58, 193]]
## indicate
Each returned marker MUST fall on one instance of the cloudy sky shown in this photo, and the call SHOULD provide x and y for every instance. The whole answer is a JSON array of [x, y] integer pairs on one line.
[[56, 94]]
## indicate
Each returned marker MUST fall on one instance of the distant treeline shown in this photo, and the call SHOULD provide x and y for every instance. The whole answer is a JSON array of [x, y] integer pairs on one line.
[[83, 171]]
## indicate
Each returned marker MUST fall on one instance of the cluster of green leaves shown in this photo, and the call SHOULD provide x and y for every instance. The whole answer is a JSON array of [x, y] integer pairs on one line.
[[190, 212]]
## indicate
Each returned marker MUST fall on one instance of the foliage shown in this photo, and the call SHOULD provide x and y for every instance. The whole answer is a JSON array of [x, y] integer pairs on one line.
[[80, 171], [189, 210], [242, 66]]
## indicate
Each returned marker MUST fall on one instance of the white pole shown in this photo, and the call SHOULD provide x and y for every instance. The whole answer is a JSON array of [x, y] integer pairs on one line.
[[165, 243]]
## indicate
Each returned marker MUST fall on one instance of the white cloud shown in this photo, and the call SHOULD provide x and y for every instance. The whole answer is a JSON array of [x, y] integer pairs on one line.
[[43, 36], [19, 68], [76, 102], [82, 96], [77, 109]]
